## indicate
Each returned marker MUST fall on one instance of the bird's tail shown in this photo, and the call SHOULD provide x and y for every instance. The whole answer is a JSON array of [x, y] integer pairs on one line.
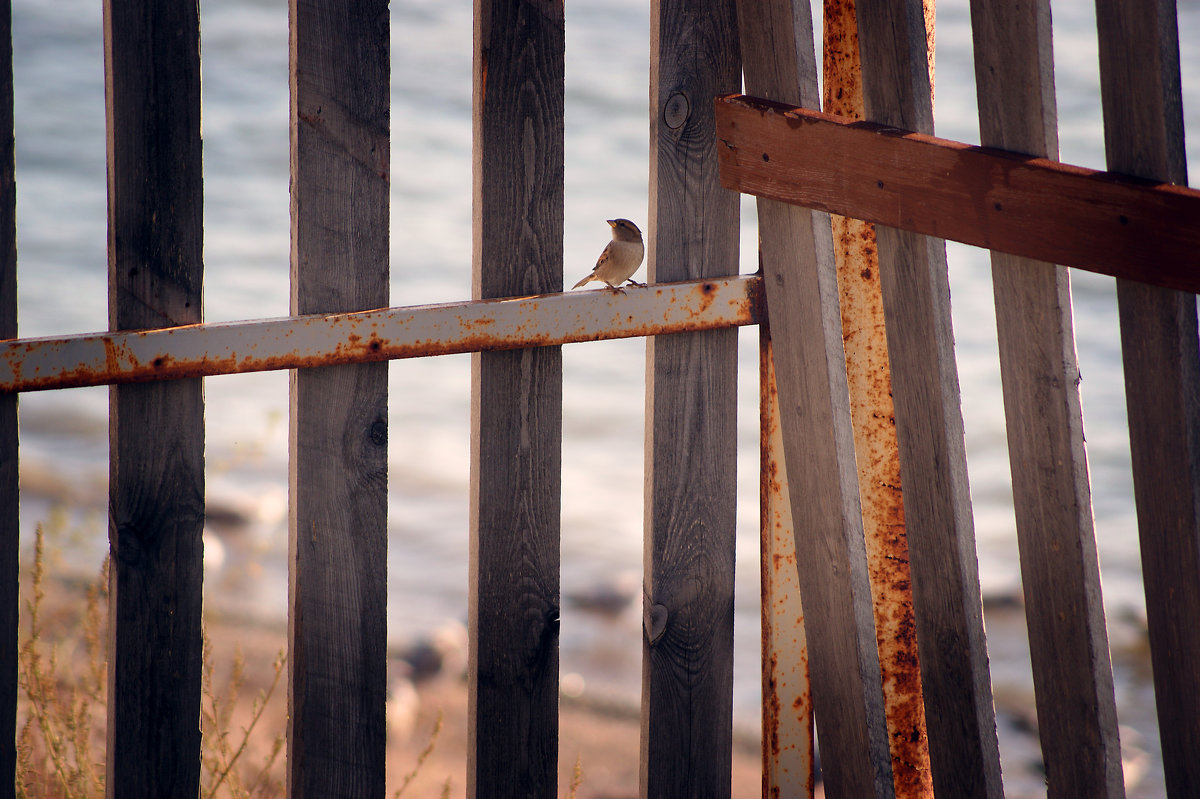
[[591, 276]]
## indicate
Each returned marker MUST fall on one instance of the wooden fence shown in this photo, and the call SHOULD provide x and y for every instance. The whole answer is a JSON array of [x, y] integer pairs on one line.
[[873, 564]]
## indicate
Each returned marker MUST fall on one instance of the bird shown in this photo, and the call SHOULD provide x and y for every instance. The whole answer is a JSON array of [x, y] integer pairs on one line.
[[621, 257]]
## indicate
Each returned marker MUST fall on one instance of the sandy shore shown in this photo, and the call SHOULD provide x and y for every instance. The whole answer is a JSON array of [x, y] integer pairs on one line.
[[602, 737]]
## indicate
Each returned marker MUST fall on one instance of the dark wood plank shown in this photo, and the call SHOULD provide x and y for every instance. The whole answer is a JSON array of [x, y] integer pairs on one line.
[[937, 504], [337, 620], [1023, 205], [1143, 133], [1072, 672], [800, 277], [9, 490], [691, 409], [516, 404], [156, 431]]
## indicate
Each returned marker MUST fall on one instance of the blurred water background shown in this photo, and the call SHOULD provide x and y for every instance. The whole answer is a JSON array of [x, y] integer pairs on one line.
[[62, 271]]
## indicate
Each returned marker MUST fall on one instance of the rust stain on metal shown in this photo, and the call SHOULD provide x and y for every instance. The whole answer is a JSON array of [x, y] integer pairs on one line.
[[383, 334], [787, 706], [868, 373]]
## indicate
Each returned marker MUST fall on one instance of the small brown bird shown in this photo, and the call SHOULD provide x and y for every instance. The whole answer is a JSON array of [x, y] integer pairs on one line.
[[621, 257]]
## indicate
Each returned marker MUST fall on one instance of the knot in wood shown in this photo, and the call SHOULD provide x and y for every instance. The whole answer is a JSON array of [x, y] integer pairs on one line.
[[677, 110]]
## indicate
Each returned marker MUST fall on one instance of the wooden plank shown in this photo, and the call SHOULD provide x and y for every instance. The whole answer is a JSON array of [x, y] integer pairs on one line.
[[1143, 133], [800, 277], [337, 619], [9, 489], [1072, 672], [691, 410], [937, 505], [516, 404], [156, 432], [1019, 204]]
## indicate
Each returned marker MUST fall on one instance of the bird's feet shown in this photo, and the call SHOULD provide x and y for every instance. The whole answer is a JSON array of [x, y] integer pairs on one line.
[[632, 282], [615, 289]]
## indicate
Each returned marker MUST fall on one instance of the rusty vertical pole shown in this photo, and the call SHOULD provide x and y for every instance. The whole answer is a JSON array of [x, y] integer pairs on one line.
[[868, 375], [787, 720]]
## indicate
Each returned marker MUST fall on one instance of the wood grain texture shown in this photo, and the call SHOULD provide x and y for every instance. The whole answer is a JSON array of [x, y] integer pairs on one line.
[[156, 432], [516, 404], [691, 410], [800, 277], [9, 487], [1143, 133], [1027, 206], [937, 505], [1060, 572], [337, 587]]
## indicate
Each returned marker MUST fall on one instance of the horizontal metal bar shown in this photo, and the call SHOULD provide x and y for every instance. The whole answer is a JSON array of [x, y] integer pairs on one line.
[[36, 364], [1032, 207]]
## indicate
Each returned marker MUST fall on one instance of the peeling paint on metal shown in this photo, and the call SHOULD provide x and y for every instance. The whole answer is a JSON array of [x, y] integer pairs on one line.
[[787, 699], [386, 334]]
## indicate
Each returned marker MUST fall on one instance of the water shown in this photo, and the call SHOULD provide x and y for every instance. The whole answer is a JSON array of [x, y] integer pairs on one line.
[[61, 195]]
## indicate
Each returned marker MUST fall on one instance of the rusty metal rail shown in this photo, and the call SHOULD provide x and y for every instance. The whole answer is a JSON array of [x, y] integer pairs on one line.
[[36, 364]]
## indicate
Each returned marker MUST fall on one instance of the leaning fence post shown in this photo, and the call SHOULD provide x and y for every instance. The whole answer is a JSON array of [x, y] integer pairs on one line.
[[800, 281], [691, 410], [937, 505], [9, 497], [1143, 134], [1072, 673], [337, 585], [516, 403], [156, 431]]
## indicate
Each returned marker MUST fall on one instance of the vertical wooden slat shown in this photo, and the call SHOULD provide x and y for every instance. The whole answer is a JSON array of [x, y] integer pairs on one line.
[[1143, 133], [337, 625], [872, 410], [691, 409], [156, 431], [1072, 672], [516, 404], [963, 748], [801, 284], [9, 493]]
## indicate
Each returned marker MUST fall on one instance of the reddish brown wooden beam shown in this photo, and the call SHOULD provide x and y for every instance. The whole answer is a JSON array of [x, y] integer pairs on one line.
[[1034, 207]]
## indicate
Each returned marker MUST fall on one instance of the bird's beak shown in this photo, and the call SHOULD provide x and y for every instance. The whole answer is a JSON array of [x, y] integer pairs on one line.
[[612, 223]]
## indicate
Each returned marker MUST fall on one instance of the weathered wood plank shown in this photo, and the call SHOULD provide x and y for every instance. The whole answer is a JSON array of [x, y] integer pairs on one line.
[[1072, 671], [691, 409], [337, 587], [1143, 132], [1039, 372], [156, 432], [1023, 205], [9, 490], [937, 505], [800, 277], [516, 404]]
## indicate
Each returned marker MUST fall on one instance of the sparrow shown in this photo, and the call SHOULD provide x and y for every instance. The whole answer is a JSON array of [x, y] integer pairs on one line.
[[621, 257]]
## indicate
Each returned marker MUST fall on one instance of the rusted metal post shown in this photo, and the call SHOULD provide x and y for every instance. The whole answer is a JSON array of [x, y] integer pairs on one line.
[[787, 698], [869, 377], [92, 359]]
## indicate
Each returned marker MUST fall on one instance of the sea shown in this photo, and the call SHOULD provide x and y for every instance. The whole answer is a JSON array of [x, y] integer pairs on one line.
[[61, 191]]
